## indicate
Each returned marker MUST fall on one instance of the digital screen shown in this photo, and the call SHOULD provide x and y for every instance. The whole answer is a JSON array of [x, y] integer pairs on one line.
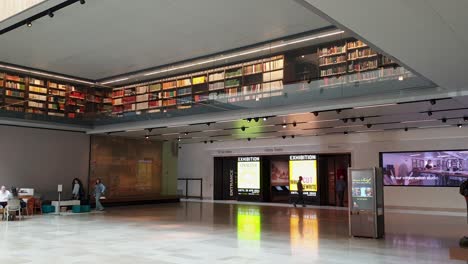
[[305, 166], [362, 189], [278, 188], [429, 168], [248, 175], [279, 172]]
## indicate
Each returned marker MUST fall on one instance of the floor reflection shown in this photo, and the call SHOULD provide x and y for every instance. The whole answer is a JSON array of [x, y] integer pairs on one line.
[[193, 232]]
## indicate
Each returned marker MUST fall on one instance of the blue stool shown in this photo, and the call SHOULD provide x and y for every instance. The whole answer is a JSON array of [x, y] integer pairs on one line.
[[76, 209], [85, 208], [47, 209]]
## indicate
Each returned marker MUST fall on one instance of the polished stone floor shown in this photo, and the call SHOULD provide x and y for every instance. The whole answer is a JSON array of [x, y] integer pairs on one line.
[[192, 232]]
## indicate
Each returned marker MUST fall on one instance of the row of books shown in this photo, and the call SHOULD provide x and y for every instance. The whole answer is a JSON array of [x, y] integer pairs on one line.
[[324, 61], [363, 66], [364, 76], [333, 50], [361, 53], [333, 71]]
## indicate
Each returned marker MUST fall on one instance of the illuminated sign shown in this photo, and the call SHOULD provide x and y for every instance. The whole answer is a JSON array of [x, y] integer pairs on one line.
[[248, 175], [305, 166]]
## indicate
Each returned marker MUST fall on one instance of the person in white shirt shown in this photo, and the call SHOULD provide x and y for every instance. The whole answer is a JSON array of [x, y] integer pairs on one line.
[[4, 195], [77, 189]]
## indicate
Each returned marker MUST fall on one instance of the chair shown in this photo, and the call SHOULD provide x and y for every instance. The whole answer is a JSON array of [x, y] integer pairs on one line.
[[30, 206], [37, 205], [12, 206]]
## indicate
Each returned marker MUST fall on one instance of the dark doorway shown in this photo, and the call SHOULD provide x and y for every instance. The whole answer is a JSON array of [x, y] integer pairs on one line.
[[331, 167], [225, 178]]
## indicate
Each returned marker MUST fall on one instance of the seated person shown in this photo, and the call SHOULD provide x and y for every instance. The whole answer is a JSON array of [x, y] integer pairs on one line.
[[4, 195], [14, 196]]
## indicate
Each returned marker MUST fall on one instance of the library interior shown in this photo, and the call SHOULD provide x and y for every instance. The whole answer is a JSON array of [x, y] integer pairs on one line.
[[220, 131]]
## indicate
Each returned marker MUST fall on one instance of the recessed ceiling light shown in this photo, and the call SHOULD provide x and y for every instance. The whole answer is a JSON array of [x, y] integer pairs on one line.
[[29, 24], [302, 56]]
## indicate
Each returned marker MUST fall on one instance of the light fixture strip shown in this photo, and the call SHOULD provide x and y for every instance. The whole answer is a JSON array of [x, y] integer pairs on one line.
[[373, 106], [220, 58], [45, 74]]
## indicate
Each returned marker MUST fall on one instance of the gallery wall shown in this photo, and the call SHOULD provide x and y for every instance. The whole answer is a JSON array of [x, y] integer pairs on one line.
[[41, 159], [196, 160]]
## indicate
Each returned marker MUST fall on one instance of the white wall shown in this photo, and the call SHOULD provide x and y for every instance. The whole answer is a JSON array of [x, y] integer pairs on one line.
[[41, 159], [196, 160]]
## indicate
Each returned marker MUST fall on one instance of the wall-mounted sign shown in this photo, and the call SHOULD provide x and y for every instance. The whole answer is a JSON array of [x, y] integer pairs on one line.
[[305, 166], [248, 175]]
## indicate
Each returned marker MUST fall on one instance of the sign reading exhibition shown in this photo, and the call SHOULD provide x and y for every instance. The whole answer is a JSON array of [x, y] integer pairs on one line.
[[248, 175], [305, 166]]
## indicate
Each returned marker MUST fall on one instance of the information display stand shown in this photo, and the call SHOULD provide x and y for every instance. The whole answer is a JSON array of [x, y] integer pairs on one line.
[[366, 207]]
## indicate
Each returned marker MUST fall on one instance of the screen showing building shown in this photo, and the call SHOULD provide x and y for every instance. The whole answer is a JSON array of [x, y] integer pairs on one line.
[[248, 175], [305, 166], [429, 168]]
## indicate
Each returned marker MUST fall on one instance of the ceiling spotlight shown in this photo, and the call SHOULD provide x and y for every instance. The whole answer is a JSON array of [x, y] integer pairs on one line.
[[208, 123], [400, 78], [205, 141], [316, 113], [29, 24], [302, 56], [248, 139], [406, 129], [249, 119], [284, 125], [178, 139], [211, 141], [361, 118], [294, 124], [265, 118], [444, 120], [82, 2], [146, 137], [338, 111], [292, 136], [345, 120], [433, 101], [180, 147], [186, 133], [465, 118], [149, 130], [243, 128], [256, 119], [50, 13], [459, 125], [429, 113], [369, 125], [108, 133], [346, 132], [353, 119], [283, 137], [309, 80]]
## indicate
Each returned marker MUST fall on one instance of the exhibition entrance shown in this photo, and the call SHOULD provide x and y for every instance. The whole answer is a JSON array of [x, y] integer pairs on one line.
[[273, 178]]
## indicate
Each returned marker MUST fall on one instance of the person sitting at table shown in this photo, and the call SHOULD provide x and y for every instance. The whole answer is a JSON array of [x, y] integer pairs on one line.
[[4, 195], [14, 196]]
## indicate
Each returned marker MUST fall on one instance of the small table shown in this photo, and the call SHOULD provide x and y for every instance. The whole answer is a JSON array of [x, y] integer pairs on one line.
[[65, 203]]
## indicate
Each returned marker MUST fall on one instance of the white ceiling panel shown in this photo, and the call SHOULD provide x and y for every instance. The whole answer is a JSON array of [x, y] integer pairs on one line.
[[111, 37]]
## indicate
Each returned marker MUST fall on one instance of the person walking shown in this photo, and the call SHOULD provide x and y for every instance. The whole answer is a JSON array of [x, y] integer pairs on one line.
[[300, 193], [77, 189], [99, 190], [340, 190]]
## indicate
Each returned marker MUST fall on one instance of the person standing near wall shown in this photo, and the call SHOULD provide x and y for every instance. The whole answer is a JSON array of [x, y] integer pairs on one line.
[[300, 193], [77, 189], [99, 190], [340, 190]]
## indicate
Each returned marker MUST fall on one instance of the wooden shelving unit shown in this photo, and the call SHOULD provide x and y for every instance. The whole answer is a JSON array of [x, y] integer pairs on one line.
[[240, 82], [350, 61], [34, 95]]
